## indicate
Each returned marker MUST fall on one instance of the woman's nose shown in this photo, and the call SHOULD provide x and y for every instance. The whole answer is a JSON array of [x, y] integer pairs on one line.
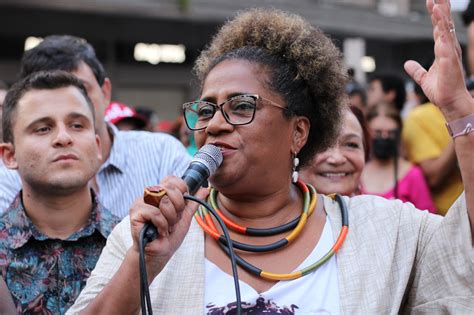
[[218, 123], [335, 156]]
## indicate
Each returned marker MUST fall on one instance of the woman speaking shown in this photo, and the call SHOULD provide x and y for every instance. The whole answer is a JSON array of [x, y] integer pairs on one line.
[[272, 89]]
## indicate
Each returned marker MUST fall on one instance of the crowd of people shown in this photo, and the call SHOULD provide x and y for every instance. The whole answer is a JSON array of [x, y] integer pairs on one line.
[[337, 198]]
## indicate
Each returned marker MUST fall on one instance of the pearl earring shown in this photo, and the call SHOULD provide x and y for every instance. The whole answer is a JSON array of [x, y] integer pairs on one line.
[[294, 175]]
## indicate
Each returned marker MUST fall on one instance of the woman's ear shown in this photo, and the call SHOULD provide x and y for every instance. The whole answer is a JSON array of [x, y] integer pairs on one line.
[[7, 153], [300, 133]]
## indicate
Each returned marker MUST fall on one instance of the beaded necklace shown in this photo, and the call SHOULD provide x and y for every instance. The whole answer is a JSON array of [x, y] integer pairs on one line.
[[309, 204]]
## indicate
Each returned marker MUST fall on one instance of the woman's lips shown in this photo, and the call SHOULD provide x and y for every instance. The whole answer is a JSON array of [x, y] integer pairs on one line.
[[335, 176], [225, 148]]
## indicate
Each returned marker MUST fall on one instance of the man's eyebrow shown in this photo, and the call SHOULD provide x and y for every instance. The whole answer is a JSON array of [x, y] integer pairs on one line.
[[77, 115], [39, 120], [48, 119]]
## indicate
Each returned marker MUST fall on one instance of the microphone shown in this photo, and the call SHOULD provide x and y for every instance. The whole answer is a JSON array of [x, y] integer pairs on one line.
[[203, 165]]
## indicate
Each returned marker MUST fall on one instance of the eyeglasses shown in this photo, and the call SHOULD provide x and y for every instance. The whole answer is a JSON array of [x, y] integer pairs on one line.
[[237, 110]]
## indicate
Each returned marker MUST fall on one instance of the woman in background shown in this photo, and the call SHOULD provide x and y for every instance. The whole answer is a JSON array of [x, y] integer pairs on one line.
[[388, 174], [338, 169]]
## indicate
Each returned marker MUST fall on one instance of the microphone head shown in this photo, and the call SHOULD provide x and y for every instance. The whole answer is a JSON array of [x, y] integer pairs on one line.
[[210, 156]]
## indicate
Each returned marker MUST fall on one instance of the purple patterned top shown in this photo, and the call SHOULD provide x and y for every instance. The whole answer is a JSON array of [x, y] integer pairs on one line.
[[45, 275]]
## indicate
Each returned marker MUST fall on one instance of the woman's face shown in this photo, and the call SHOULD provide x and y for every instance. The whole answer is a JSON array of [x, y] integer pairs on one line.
[[383, 127], [384, 136], [338, 169], [256, 155]]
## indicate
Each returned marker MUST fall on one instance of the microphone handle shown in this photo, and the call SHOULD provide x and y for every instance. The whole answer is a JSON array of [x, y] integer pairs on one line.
[[195, 176], [151, 232]]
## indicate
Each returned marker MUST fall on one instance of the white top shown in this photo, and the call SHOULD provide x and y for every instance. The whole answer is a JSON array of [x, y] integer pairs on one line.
[[316, 293], [395, 259]]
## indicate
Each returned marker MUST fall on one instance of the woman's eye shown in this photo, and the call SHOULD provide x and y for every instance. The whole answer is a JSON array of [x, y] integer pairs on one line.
[[205, 112], [353, 145], [243, 106]]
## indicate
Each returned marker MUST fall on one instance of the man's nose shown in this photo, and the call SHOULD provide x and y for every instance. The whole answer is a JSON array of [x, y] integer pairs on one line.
[[62, 137]]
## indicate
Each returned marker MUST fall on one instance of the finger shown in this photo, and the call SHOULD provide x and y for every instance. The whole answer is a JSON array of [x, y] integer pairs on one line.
[[429, 6], [174, 182], [143, 213], [169, 209], [175, 198], [174, 203], [442, 15], [415, 71]]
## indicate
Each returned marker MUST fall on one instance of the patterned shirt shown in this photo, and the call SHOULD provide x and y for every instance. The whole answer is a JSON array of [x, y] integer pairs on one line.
[[46, 275], [137, 159]]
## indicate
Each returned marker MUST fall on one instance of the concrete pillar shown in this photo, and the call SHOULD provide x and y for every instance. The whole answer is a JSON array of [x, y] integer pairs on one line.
[[354, 50]]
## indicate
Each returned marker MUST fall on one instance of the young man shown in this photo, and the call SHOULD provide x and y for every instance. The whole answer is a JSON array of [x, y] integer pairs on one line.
[[131, 160], [388, 88], [53, 232]]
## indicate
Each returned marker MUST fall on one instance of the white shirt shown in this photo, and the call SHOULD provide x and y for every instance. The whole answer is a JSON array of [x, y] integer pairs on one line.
[[316, 293]]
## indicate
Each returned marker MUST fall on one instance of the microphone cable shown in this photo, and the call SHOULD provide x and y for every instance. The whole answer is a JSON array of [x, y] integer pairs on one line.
[[144, 240]]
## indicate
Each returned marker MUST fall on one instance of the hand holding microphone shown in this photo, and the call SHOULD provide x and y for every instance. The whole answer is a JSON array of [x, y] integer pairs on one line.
[[204, 164], [163, 207]]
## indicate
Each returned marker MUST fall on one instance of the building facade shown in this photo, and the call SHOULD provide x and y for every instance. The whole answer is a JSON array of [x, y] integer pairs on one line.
[[383, 33]]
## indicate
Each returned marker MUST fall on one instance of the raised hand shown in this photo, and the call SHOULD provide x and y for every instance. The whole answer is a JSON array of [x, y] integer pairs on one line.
[[443, 83]]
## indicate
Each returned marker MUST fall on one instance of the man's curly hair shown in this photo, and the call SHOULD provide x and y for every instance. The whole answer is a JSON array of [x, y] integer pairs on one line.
[[302, 63]]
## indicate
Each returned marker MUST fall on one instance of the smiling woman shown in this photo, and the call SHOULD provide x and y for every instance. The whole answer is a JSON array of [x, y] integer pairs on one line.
[[339, 168]]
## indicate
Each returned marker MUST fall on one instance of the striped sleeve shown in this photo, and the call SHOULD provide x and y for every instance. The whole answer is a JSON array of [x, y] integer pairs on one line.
[[10, 185]]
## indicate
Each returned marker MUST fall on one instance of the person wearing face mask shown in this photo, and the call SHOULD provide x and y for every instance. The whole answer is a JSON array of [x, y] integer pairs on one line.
[[388, 174], [338, 169]]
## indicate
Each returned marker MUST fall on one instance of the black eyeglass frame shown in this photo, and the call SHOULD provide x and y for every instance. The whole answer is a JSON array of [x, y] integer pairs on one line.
[[256, 97]]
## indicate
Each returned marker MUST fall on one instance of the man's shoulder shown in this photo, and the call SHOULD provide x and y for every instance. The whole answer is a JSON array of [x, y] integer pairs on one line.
[[148, 141], [14, 228], [106, 220], [132, 135]]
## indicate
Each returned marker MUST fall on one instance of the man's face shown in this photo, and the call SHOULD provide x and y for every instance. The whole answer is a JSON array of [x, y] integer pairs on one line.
[[55, 147], [375, 93], [99, 95]]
